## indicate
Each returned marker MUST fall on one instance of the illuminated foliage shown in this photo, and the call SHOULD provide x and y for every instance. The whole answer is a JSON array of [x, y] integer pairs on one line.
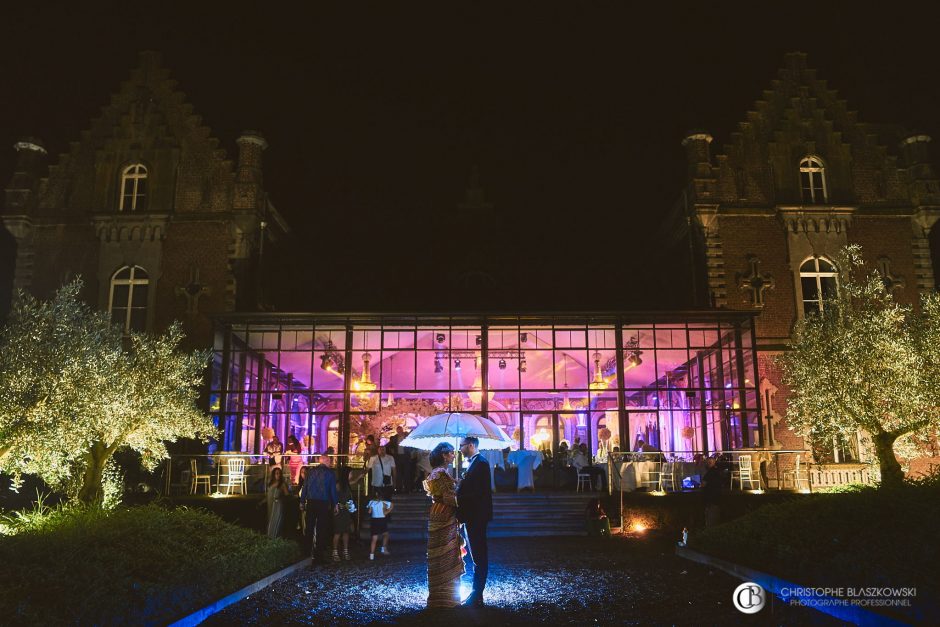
[[867, 365], [73, 391]]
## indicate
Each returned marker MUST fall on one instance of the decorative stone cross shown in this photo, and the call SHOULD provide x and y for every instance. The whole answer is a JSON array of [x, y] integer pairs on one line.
[[192, 291], [756, 282], [891, 282]]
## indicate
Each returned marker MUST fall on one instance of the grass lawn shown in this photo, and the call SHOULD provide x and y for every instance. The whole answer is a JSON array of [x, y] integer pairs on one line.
[[134, 565], [866, 537]]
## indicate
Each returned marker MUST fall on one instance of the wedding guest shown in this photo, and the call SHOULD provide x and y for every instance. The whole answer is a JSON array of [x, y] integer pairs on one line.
[[294, 460], [298, 486], [598, 525], [273, 450], [379, 509], [711, 492], [318, 497], [383, 469], [276, 497], [342, 520]]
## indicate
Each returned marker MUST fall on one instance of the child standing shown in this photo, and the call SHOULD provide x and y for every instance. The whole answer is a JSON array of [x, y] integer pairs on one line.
[[342, 519], [379, 509]]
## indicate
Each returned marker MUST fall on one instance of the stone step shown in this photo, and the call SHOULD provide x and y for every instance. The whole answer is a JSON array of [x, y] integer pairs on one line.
[[514, 515]]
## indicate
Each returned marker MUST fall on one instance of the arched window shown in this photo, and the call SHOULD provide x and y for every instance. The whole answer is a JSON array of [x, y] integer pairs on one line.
[[813, 181], [128, 300], [133, 188], [819, 283]]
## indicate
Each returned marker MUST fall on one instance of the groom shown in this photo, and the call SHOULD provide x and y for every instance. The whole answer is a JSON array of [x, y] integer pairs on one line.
[[475, 511]]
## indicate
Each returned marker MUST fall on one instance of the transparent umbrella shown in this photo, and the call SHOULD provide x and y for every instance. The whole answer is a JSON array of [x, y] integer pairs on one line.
[[453, 427]]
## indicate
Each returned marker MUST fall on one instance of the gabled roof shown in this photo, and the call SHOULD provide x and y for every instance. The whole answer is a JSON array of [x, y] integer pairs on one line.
[[147, 112], [798, 98]]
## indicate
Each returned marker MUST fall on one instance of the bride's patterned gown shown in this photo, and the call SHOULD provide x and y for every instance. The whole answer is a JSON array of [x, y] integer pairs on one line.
[[444, 563]]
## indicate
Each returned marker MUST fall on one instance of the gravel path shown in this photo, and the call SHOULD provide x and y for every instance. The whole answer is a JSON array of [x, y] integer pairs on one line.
[[532, 581]]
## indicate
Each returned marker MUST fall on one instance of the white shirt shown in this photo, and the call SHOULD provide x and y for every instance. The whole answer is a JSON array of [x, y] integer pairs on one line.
[[377, 508], [579, 461], [384, 465]]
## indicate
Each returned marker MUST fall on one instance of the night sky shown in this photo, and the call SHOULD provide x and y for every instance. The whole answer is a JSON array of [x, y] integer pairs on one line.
[[376, 117]]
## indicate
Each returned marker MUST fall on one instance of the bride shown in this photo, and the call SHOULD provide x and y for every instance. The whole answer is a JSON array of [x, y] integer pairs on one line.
[[444, 563]]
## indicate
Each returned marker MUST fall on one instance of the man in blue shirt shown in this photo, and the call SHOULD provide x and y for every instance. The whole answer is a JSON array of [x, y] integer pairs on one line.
[[319, 501]]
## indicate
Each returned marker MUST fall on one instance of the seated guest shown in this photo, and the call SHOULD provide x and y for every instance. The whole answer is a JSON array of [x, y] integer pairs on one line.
[[579, 460], [598, 525]]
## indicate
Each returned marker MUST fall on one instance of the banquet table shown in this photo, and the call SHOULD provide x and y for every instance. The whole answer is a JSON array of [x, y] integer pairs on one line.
[[527, 461], [494, 458], [630, 475]]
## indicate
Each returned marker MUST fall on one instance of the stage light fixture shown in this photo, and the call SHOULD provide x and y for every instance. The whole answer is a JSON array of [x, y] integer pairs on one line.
[[438, 366], [502, 364], [524, 337], [479, 340], [522, 365], [325, 361], [456, 364], [440, 338]]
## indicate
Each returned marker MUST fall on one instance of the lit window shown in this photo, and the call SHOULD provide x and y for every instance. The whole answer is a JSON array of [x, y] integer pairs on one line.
[[133, 188], [128, 300], [813, 180], [819, 283]]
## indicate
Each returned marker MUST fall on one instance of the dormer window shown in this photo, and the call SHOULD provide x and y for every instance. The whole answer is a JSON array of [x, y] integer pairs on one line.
[[133, 188], [813, 181]]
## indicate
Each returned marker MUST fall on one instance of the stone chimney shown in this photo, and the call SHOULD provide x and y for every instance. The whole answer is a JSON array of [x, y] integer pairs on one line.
[[30, 160]]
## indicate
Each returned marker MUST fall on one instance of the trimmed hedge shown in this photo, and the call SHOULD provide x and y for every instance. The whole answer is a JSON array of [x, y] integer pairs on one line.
[[866, 537], [131, 566]]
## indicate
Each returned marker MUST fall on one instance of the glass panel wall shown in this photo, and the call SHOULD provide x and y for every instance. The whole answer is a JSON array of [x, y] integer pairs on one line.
[[662, 383]]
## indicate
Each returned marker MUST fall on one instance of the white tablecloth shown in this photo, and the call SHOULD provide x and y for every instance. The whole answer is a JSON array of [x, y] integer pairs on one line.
[[633, 474], [526, 461], [494, 459]]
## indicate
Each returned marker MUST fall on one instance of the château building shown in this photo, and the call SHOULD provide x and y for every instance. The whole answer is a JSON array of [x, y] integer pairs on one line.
[[764, 216], [150, 211]]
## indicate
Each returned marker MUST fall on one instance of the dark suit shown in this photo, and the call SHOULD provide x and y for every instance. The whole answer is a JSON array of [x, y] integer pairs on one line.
[[475, 511]]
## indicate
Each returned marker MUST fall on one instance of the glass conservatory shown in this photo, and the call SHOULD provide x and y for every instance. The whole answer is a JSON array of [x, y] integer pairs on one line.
[[678, 381]]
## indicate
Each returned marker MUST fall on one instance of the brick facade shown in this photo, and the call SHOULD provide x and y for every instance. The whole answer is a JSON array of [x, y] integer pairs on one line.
[[750, 211], [197, 235]]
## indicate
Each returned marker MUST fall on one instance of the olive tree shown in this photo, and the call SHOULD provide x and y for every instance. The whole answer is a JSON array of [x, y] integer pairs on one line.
[[74, 389], [869, 365]]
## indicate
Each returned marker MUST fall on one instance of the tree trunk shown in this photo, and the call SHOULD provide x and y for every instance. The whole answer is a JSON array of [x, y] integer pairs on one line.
[[97, 458], [891, 473]]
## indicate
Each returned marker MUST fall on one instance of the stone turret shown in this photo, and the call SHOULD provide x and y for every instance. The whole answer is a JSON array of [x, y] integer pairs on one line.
[[30, 160], [249, 191], [698, 154]]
